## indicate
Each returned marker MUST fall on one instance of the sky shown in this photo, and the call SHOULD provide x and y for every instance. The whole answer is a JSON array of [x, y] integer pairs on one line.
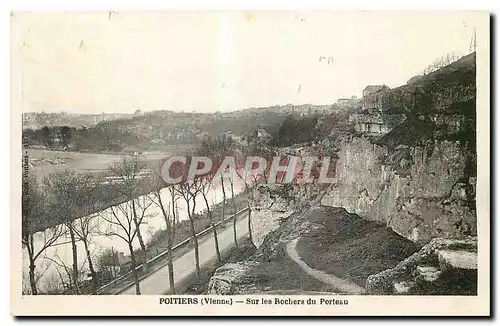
[[95, 62]]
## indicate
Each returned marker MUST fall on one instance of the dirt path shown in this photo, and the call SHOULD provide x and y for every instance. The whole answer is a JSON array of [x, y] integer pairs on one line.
[[342, 285]]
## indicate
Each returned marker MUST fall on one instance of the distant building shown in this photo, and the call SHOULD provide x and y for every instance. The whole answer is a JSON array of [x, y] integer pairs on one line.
[[373, 96], [344, 102], [371, 118], [374, 88], [372, 123]]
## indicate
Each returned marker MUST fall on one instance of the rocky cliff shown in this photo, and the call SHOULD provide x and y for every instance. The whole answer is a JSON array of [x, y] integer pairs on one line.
[[419, 179], [417, 182], [420, 192]]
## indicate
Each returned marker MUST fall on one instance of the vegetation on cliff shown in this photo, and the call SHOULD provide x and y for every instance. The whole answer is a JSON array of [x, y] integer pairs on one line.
[[440, 106]]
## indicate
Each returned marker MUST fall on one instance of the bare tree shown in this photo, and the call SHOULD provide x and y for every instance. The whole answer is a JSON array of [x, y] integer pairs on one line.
[[153, 239], [245, 175], [259, 150], [174, 196], [218, 148], [70, 197], [206, 185], [128, 173], [188, 190], [232, 180], [169, 221], [223, 210], [441, 62], [84, 228], [108, 262], [53, 284], [66, 279], [35, 219], [122, 225]]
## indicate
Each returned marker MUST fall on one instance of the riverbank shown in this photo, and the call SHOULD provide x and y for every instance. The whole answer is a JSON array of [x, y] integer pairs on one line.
[[51, 262], [158, 241]]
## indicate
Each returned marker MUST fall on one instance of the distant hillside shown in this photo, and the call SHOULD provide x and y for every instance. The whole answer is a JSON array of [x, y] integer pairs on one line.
[[158, 129], [33, 120]]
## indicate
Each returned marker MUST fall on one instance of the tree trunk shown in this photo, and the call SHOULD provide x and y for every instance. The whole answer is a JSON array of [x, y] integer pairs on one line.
[[91, 268], [34, 291], [196, 252], [32, 266], [170, 264], [214, 230], [223, 200], [75, 257], [169, 247], [133, 266], [174, 212], [139, 237], [234, 215], [193, 236], [250, 223], [173, 221]]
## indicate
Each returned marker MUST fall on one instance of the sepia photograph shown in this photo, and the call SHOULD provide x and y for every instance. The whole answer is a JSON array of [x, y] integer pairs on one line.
[[250, 163]]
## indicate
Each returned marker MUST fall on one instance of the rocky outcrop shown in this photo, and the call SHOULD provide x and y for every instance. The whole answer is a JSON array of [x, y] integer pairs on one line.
[[443, 266], [420, 192], [270, 207], [230, 279], [420, 178], [273, 204]]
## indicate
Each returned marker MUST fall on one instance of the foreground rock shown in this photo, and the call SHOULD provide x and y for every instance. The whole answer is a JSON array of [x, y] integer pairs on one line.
[[443, 266]]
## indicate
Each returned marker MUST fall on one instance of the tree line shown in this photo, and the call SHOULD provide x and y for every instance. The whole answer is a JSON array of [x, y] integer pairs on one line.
[[98, 138], [304, 129], [63, 196]]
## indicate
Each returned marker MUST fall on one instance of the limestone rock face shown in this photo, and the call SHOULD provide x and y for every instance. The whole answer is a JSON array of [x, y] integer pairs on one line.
[[230, 279], [269, 208], [273, 204], [420, 178], [420, 192]]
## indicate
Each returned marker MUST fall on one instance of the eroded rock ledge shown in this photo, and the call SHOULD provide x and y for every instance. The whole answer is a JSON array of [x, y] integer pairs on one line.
[[420, 192], [443, 266]]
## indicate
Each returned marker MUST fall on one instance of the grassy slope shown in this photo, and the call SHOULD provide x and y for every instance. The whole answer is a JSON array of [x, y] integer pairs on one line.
[[350, 247]]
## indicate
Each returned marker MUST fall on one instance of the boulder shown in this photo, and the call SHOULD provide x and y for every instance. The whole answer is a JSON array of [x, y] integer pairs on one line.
[[428, 273], [230, 278], [458, 259], [402, 287]]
